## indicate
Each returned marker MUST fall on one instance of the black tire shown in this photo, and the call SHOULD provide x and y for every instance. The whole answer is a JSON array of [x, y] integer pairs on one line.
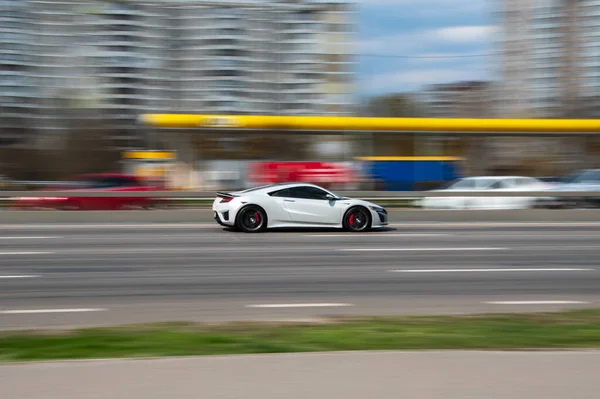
[[251, 219], [357, 219]]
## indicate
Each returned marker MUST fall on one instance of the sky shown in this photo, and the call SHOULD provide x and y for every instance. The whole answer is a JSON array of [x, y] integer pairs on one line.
[[422, 28]]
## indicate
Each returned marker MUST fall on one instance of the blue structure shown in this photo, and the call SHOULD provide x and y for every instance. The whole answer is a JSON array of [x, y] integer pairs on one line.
[[411, 173]]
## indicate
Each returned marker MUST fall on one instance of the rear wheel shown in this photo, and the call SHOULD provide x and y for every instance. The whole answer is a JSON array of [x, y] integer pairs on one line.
[[252, 219], [357, 219]]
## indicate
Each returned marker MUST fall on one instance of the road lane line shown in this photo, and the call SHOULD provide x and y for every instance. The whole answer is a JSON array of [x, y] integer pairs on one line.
[[422, 249], [27, 253], [30, 238], [378, 235], [565, 269], [495, 224], [116, 225], [300, 305], [34, 311], [535, 302], [21, 276]]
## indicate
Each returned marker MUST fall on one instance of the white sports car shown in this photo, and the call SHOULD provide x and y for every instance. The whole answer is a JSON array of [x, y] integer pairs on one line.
[[295, 205]]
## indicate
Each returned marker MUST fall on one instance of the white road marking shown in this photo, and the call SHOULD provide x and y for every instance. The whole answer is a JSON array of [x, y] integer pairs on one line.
[[94, 226], [27, 253], [535, 302], [422, 249], [565, 269], [300, 305], [21, 276], [495, 224], [33, 311], [30, 238], [377, 235]]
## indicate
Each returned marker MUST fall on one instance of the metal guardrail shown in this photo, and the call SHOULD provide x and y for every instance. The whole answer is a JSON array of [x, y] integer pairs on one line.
[[380, 195]]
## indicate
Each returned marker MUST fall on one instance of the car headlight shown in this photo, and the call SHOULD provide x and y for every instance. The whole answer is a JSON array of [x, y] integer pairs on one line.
[[377, 209]]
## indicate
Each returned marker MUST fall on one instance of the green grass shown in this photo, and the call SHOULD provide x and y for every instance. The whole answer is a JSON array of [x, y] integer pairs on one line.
[[573, 329]]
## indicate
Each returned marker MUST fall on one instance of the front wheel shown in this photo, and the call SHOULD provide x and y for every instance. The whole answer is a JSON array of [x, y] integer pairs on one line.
[[252, 219], [357, 220]]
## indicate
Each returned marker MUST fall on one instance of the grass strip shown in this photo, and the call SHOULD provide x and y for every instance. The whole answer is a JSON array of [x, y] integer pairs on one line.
[[571, 329]]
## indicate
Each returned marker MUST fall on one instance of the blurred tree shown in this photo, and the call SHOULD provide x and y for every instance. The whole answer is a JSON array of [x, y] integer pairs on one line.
[[392, 106]]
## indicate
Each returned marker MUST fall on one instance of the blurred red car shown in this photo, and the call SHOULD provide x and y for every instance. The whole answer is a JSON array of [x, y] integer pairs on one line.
[[105, 182], [326, 174]]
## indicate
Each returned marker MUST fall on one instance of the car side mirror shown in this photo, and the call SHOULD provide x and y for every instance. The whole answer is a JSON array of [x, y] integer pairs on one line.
[[331, 197]]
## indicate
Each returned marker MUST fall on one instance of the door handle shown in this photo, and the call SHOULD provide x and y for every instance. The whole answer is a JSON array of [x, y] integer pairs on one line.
[[289, 200]]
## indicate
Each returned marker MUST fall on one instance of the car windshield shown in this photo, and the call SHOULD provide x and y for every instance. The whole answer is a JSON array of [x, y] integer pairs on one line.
[[588, 176]]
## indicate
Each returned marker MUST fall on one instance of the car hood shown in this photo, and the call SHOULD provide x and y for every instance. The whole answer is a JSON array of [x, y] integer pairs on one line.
[[441, 190], [362, 202], [575, 187]]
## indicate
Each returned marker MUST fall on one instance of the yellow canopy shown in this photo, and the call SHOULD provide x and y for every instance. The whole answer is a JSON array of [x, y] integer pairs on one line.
[[335, 123]]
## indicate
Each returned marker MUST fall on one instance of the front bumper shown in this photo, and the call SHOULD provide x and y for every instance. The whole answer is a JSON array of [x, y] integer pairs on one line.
[[567, 202], [379, 218]]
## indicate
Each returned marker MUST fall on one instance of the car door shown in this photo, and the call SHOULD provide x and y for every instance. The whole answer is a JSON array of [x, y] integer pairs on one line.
[[111, 184], [502, 202], [310, 205], [526, 184], [276, 208]]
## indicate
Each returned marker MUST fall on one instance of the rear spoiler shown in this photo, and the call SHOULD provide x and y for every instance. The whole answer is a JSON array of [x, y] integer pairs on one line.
[[226, 195]]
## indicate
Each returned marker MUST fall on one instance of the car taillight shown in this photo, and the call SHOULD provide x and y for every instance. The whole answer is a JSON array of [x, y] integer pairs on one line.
[[225, 199]]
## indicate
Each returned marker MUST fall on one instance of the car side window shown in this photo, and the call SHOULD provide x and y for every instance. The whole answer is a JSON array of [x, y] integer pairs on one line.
[[307, 192], [498, 185], [524, 182], [280, 193], [112, 182], [99, 183]]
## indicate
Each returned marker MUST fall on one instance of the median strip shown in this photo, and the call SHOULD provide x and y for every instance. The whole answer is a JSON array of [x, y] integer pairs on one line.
[[570, 329]]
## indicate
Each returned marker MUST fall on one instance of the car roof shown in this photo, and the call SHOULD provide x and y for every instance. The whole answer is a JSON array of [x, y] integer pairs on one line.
[[497, 177], [277, 186], [105, 175]]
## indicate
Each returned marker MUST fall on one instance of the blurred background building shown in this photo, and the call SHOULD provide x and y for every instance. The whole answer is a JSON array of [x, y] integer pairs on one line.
[[17, 86], [472, 99], [97, 64], [550, 58], [75, 75]]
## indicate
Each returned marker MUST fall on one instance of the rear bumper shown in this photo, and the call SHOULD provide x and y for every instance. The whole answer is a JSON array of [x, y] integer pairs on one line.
[[223, 218]]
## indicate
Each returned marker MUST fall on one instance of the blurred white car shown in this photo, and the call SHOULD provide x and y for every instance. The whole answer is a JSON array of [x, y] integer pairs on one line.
[[583, 180], [486, 183]]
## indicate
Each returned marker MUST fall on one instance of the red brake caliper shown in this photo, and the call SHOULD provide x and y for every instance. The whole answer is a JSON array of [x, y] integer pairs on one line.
[[351, 221], [257, 217]]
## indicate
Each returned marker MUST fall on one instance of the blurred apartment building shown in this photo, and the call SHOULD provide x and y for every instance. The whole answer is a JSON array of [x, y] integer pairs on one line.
[[106, 62], [470, 99], [549, 67], [550, 58]]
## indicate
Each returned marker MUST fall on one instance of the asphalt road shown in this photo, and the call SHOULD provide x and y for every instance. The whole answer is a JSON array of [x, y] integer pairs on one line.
[[393, 375], [74, 275]]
